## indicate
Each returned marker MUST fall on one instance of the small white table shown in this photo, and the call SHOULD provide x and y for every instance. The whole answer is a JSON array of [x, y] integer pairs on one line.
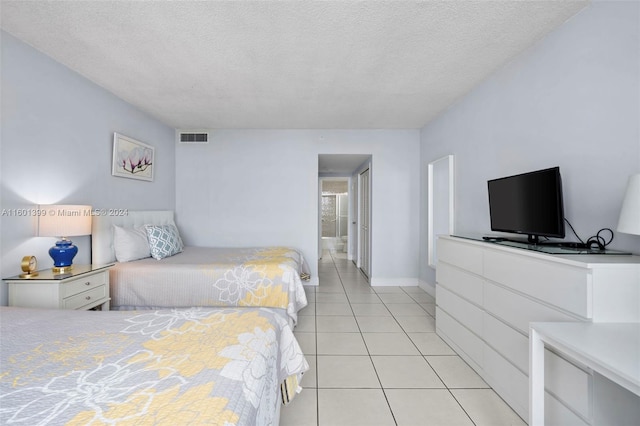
[[83, 288], [610, 349]]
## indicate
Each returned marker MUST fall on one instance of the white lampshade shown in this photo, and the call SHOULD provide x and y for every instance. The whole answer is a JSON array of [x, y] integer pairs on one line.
[[64, 221], [629, 222]]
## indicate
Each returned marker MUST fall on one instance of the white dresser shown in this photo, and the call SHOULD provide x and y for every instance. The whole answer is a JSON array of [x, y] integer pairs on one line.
[[487, 294]]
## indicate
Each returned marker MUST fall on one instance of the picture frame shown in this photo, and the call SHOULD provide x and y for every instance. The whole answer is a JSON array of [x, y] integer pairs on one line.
[[132, 159], [441, 203]]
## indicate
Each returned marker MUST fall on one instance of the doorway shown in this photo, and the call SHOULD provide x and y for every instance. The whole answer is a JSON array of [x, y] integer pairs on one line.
[[335, 215], [354, 169]]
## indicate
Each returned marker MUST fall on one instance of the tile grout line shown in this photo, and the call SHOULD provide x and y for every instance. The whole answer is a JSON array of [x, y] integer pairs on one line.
[[345, 279], [375, 370], [315, 318], [315, 321], [365, 343], [460, 405], [370, 356]]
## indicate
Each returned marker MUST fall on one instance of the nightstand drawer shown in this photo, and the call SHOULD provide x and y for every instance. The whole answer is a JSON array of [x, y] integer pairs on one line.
[[85, 298], [84, 284]]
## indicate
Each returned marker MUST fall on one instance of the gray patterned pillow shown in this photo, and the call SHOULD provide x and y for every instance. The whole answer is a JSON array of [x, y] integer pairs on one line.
[[164, 240]]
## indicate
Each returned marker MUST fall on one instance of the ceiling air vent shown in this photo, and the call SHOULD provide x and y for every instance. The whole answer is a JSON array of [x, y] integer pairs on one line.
[[193, 137]]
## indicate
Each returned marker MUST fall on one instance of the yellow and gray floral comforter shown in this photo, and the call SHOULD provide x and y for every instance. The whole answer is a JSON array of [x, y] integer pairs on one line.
[[220, 366], [206, 276]]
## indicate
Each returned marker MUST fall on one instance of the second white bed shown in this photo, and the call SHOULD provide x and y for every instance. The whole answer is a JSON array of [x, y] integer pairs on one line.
[[199, 276], [205, 276]]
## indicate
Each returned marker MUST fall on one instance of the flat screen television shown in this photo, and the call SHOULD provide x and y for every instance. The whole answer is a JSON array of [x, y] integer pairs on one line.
[[528, 203]]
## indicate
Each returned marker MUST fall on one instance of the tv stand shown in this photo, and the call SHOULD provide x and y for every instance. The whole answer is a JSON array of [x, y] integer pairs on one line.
[[488, 293]]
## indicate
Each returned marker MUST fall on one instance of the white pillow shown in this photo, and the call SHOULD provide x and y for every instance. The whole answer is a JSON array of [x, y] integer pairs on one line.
[[164, 240], [130, 243]]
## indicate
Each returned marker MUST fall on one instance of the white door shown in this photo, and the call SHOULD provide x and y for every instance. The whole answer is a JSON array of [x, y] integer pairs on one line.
[[355, 235], [365, 218]]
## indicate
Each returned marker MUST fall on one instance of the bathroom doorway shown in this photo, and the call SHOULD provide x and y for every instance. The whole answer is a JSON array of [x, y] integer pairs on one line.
[[343, 225], [335, 214]]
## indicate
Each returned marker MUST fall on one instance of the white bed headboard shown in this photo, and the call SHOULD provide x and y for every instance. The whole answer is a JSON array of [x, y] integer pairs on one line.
[[102, 251]]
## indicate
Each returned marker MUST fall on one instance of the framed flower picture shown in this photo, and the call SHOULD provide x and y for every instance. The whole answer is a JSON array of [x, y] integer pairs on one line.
[[132, 159]]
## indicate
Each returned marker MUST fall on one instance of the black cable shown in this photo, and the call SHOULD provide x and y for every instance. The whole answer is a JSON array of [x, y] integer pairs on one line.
[[595, 240], [574, 231], [599, 240]]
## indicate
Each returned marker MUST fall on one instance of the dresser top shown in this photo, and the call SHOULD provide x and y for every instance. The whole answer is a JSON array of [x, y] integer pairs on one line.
[[580, 258], [49, 275]]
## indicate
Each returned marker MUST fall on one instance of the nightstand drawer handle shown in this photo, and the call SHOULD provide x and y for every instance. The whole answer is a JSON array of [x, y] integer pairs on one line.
[[87, 283], [88, 297]]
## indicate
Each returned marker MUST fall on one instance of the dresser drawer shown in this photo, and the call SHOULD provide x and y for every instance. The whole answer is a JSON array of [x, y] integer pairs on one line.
[[466, 313], [510, 343], [556, 414], [464, 256], [564, 286], [517, 310], [84, 284], [85, 298], [513, 386], [461, 282], [568, 383], [463, 339], [509, 382]]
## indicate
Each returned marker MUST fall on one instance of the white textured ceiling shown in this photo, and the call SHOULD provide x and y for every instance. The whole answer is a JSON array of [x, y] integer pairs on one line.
[[291, 64]]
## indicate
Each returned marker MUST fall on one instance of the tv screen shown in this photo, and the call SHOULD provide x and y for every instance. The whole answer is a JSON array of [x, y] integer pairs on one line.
[[529, 203]]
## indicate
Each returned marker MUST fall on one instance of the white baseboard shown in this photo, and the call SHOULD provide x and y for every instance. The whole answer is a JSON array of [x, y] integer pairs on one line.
[[428, 287], [390, 282], [394, 282]]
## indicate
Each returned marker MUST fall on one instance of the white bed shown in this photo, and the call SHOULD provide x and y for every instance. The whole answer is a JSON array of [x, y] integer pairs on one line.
[[199, 276]]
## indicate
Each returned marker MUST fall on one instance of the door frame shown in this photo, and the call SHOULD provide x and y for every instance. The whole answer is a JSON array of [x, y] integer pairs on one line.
[[361, 252], [354, 245]]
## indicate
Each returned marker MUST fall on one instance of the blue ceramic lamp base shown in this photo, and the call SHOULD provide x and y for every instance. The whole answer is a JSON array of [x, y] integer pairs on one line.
[[62, 254]]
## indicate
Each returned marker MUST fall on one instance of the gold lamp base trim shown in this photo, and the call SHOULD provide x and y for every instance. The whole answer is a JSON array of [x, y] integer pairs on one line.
[[62, 269]]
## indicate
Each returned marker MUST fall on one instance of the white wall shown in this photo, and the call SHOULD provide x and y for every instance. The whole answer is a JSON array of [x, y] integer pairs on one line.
[[572, 100], [260, 187], [56, 147]]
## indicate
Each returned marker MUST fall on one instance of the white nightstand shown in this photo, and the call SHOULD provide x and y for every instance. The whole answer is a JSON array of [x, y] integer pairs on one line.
[[83, 288]]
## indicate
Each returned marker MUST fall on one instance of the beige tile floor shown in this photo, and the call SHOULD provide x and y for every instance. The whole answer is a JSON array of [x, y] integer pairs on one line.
[[375, 359]]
